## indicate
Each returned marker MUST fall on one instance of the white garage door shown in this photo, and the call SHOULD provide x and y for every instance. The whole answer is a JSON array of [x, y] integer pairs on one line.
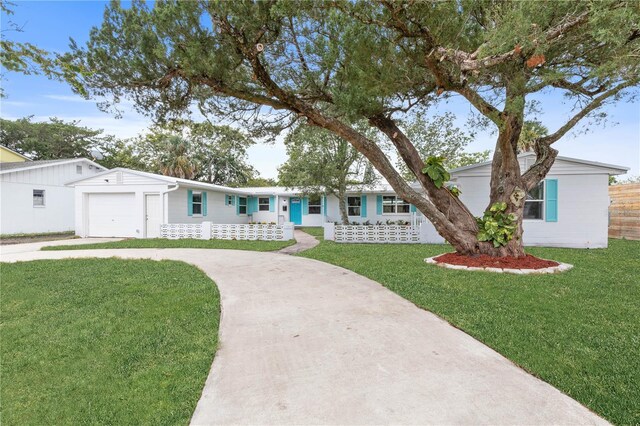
[[112, 215]]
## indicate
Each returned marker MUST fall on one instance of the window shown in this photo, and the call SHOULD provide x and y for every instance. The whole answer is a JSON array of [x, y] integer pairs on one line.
[[242, 205], [230, 200], [197, 203], [353, 206], [263, 204], [534, 203], [79, 170], [394, 205], [38, 198], [315, 205]]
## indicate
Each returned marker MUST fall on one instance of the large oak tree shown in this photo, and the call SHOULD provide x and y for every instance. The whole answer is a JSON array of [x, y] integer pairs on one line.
[[333, 63]]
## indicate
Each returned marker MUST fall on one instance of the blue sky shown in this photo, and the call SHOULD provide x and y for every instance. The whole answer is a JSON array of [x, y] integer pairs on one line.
[[50, 24]]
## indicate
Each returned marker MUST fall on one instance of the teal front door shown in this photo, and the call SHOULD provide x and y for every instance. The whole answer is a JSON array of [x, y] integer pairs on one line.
[[295, 215]]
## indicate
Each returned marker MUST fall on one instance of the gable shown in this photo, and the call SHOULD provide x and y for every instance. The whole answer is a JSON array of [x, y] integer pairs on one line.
[[561, 166], [53, 173], [120, 177]]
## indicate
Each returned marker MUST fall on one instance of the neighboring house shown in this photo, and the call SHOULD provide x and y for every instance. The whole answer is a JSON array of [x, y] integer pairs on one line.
[[10, 156], [33, 195], [569, 209]]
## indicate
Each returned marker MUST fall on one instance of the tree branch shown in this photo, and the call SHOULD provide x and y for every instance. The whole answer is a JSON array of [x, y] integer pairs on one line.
[[596, 103]]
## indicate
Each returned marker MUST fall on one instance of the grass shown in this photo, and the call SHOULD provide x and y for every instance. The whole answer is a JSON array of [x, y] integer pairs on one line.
[[183, 243], [42, 234], [315, 231], [105, 341], [579, 330]]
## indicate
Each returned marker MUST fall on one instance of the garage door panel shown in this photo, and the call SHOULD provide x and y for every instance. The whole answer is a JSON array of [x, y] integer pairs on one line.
[[112, 215]]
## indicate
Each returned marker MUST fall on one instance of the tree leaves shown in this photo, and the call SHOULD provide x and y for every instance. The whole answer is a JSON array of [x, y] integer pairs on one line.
[[434, 168]]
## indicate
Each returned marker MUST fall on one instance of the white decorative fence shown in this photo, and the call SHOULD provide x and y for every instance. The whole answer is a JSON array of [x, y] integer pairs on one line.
[[422, 233], [175, 231], [248, 232], [208, 230]]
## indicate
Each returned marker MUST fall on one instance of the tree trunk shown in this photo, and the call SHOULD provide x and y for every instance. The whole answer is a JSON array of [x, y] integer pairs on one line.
[[342, 202]]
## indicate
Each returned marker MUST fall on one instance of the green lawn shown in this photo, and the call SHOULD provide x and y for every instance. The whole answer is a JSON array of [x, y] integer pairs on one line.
[[316, 231], [579, 330], [184, 243], [105, 341]]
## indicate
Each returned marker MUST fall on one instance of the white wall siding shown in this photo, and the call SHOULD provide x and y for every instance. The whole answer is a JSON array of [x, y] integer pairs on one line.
[[217, 211], [19, 216], [583, 203], [333, 212], [52, 175]]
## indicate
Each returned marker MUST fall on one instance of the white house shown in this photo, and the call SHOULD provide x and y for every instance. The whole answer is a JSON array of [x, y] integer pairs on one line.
[[569, 209], [33, 195]]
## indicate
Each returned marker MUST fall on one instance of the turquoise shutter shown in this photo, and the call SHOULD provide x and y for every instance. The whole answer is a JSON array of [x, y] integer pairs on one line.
[[249, 205], [412, 208], [305, 205], [204, 203], [226, 199], [324, 205], [551, 200], [363, 206], [272, 203], [236, 200], [253, 205], [189, 202], [379, 205]]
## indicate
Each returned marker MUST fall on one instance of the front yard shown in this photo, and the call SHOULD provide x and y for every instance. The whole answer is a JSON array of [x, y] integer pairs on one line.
[[183, 243], [105, 341], [579, 330]]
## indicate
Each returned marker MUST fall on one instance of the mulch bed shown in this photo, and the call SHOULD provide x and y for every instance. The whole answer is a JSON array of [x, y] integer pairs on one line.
[[507, 262]]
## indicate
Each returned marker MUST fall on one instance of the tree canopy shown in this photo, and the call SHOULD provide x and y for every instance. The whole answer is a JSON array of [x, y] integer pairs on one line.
[[51, 140], [334, 63], [322, 162]]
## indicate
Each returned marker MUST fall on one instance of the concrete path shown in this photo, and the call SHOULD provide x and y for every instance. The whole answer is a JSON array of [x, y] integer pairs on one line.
[[304, 242], [304, 342], [29, 247]]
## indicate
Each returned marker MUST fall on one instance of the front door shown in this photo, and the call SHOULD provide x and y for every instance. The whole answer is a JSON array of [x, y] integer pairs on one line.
[[153, 217], [295, 215]]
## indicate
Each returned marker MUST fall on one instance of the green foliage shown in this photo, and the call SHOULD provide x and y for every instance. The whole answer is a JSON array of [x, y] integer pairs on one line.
[[455, 191], [25, 58], [531, 131], [434, 168], [496, 225], [52, 140], [322, 162], [200, 151], [467, 159], [438, 136]]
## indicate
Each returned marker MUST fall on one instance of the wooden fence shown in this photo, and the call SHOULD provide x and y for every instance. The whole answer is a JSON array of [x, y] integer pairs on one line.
[[624, 211]]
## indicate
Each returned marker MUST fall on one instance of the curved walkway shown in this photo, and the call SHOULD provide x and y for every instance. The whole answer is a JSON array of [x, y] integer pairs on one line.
[[305, 342]]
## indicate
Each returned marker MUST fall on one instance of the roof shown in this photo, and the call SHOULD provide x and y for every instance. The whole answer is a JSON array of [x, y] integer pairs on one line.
[[168, 179], [28, 165], [15, 152], [612, 168]]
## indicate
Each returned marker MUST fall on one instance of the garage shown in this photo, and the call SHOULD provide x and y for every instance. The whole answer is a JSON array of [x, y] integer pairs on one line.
[[111, 215]]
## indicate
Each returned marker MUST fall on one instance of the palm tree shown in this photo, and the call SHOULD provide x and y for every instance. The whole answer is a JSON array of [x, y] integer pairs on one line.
[[531, 131], [176, 160]]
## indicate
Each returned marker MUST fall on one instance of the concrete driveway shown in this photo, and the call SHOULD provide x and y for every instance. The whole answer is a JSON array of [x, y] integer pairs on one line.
[[305, 342]]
